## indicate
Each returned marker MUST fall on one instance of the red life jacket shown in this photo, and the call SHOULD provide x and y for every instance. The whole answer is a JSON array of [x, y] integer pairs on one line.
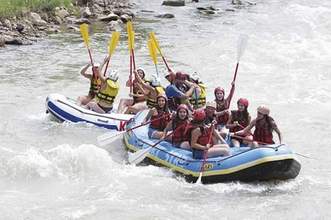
[[180, 133], [263, 132], [203, 139], [160, 124], [240, 118], [221, 106]]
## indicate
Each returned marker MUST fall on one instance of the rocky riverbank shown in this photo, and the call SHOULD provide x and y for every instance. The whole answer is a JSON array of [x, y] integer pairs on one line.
[[26, 29]]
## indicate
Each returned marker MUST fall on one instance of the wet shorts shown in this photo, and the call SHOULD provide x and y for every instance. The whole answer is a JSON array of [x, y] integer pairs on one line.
[[197, 154], [105, 108]]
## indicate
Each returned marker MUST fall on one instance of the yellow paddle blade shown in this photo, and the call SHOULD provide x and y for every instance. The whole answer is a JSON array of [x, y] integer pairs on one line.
[[130, 35], [84, 31], [152, 50], [152, 36], [113, 42]]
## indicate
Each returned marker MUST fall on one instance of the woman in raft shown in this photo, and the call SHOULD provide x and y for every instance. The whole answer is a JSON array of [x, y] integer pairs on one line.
[[264, 126]]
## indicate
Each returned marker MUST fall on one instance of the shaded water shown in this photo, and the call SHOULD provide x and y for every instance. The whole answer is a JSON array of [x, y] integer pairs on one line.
[[56, 171]]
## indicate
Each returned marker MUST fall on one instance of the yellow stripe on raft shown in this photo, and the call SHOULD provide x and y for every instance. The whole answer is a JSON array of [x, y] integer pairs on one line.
[[212, 172]]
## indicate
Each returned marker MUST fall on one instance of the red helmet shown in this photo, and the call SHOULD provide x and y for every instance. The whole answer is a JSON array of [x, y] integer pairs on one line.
[[243, 102], [181, 76], [182, 106], [199, 115], [218, 89], [162, 95]]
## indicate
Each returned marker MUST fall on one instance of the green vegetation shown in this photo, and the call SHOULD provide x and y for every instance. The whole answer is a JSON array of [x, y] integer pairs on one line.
[[10, 8]]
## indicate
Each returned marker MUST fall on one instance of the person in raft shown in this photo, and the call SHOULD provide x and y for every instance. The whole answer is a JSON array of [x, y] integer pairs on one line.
[[178, 125], [238, 120], [200, 138], [264, 126], [104, 99], [93, 75], [222, 106], [159, 117], [138, 102]]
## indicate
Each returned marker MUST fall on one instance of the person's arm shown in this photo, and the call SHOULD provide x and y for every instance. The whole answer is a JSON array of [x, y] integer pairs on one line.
[[83, 71], [247, 129], [229, 98], [194, 140], [218, 136], [229, 123], [149, 114], [275, 127], [189, 92], [221, 112]]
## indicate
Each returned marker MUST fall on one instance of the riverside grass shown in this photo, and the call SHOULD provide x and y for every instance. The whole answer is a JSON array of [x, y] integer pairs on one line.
[[9, 8]]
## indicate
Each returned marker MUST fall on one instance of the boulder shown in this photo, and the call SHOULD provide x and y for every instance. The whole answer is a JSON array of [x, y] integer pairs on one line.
[[20, 27], [73, 28], [167, 15], [13, 40], [7, 24], [57, 20], [36, 19], [61, 12], [86, 12], [82, 21], [174, 3], [2, 42], [109, 17], [125, 18]]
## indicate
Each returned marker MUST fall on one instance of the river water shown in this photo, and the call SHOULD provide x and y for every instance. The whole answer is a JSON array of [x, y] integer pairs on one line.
[[50, 170]]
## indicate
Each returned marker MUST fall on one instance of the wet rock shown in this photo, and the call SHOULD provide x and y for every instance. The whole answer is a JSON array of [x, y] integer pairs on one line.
[[174, 3], [147, 11], [128, 12], [195, 0], [61, 13], [236, 2], [53, 29], [86, 12], [211, 8], [118, 12], [57, 20], [82, 21], [13, 40], [73, 28], [167, 15], [7, 24], [230, 9], [20, 27], [109, 17], [36, 19], [2, 42], [125, 18]]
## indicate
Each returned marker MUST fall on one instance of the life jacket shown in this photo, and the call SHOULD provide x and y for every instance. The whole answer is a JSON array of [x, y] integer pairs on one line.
[[182, 87], [108, 94], [151, 102], [221, 106], [179, 128], [263, 132], [201, 101], [240, 118], [94, 86], [203, 139], [160, 124]]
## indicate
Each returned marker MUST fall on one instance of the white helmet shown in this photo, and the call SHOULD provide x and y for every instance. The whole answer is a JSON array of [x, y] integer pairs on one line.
[[195, 76], [155, 80], [113, 75]]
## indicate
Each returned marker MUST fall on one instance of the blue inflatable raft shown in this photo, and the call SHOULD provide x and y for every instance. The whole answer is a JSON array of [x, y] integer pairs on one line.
[[272, 162]]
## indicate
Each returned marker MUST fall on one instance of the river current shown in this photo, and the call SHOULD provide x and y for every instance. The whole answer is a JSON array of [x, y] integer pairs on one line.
[[51, 170]]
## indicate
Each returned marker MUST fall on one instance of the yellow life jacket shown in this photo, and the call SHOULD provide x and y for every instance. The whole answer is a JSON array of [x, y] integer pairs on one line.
[[201, 100], [94, 86], [151, 102], [108, 94]]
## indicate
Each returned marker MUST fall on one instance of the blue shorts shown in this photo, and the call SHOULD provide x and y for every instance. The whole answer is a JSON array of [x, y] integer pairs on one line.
[[197, 154], [150, 132]]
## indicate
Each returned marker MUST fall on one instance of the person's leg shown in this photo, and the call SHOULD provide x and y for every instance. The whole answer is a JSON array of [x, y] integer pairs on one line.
[[185, 145], [157, 134], [83, 100], [134, 109], [218, 150], [95, 107], [235, 143], [124, 103]]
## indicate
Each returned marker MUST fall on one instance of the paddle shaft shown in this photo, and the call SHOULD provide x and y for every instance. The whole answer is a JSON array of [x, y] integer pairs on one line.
[[235, 72], [150, 121]]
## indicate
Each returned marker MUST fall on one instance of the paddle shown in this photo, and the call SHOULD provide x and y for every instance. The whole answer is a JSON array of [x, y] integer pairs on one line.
[[131, 50], [153, 53], [152, 36], [107, 137], [140, 155], [111, 47], [84, 31], [240, 51], [205, 155]]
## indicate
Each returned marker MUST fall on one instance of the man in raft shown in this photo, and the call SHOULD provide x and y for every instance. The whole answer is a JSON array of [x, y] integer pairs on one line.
[[264, 126], [93, 75], [200, 140], [104, 99]]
